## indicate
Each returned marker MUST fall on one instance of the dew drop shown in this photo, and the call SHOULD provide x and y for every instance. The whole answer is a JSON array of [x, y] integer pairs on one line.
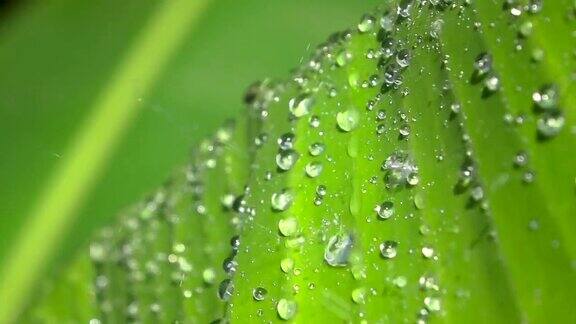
[[366, 24], [338, 249], [209, 276], [432, 304], [550, 125], [483, 64], [288, 226], [348, 120], [286, 309], [388, 249], [546, 97], [427, 252], [313, 169], [259, 293], [316, 149], [285, 160], [281, 200], [287, 265], [359, 295], [300, 105], [226, 289], [492, 83], [385, 210]]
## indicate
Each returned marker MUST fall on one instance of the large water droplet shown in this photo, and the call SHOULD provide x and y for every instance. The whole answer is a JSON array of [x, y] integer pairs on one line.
[[366, 24], [226, 289], [285, 160], [348, 120], [286, 309], [313, 169], [546, 97], [388, 249], [549, 125], [338, 249], [301, 105], [385, 210], [281, 200], [288, 226]]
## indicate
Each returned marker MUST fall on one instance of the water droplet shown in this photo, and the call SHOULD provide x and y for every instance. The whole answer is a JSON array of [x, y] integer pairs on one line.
[[428, 283], [546, 97], [281, 200], [314, 121], [388, 249], [287, 265], [286, 141], [385, 210], [399, 168], [521, 159], [230, 265], [359, 295], [338, 249], [403, 58], [316, 149], [432, 304], [300, 105], [477, 193], [400, 281], [321, 190], [288, 226], [483, 64], [259, 293], [525, 29], [343, 58], [226, 289], [492, 83], [286, 309], [285, 160], [366, 24], [348, 120], [313, 169], [550, 125], [436, 28], [427, 252], [387, 23], [209, 276]]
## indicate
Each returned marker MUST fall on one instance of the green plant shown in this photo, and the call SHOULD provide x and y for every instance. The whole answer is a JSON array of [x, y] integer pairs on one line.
[[418, 167]]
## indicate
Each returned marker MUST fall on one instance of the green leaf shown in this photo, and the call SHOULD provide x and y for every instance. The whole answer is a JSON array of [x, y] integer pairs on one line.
[[60, 57], [417, 168]]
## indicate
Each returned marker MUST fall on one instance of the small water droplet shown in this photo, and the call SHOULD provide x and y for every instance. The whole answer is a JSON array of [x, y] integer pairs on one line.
[[281, 200], [432, 304], [385, 210], [483, 64], [209, 276], [366, 24], [316, 149], [550, 125], [388, 249], [259, 293], [286, 309], [546, 97], [313, 169], [427, 252]]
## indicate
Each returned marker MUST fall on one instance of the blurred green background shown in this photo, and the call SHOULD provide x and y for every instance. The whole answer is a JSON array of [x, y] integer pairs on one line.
[[57, 56]]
